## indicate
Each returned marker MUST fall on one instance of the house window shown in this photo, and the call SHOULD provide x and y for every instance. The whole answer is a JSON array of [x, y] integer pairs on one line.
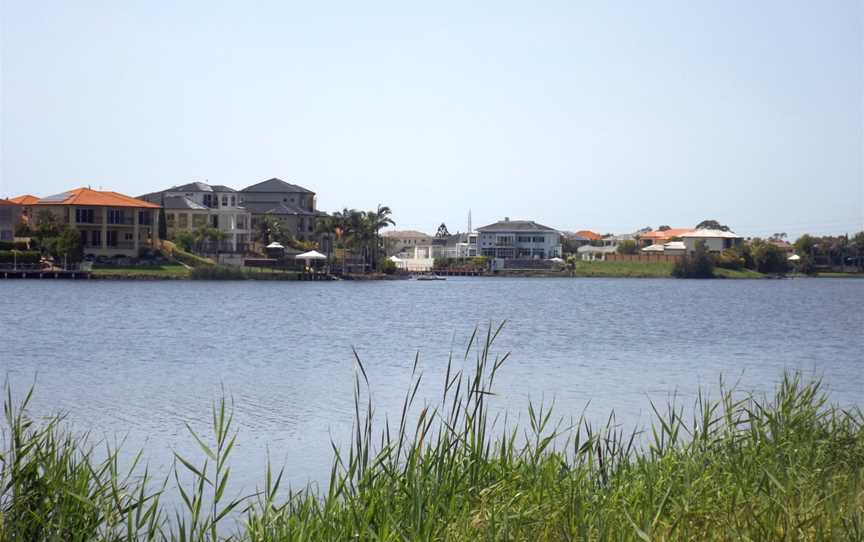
[[83, 237], [183, 220], [144, 217], [115, 216], [96, 238], [127, 236], [232, 201], [199, 221], [208, 200], [214, 221], [539, 239], [241, 222], [169, 220], [111, 238], [224, 200], [84, 216]]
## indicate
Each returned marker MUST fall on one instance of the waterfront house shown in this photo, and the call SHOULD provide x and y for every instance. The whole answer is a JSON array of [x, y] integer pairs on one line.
[[397, 241], [200, 205], [518, 240], [292, 205], [602, 248], [110, 223], [661, 237], [10, 214], [671, 248], [715, 240]]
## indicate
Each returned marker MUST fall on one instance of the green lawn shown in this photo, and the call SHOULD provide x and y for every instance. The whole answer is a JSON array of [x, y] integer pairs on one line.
[[624, 269], [165, 271], [737, 274]]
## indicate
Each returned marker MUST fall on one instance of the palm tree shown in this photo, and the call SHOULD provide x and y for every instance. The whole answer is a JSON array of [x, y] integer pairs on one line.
[[377, 220]]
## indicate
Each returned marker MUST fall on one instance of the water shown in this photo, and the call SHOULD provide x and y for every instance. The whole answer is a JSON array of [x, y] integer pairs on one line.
[[140, 359]]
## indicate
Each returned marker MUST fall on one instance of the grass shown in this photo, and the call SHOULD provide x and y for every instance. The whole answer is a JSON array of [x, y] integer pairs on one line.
[[737, 273], [788, 467], [221, 272], [164, 271], [624, 269]]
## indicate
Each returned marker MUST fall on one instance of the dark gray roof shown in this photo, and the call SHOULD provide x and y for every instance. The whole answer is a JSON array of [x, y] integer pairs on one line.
[[188, 187], [515, 225], [222, 188], [265, 208], [276, 185], [182, 202]]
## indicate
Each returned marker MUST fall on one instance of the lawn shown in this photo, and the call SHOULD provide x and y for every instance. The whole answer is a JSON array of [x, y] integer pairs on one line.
[[164, 271], [624, 269], [719, 272]]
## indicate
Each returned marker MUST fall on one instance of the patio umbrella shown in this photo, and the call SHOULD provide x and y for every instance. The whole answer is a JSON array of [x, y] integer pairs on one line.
[[309, 256]]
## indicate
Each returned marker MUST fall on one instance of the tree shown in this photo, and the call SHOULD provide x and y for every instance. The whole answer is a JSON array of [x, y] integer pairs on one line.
[[163, 222], [698, 265], [627, 247], [664, 228], [377, 220], [711, 225], [442, 232], [66, 246], [768, 257]]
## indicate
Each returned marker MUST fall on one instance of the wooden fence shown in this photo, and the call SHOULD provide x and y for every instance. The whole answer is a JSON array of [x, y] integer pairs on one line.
[[669, 258]]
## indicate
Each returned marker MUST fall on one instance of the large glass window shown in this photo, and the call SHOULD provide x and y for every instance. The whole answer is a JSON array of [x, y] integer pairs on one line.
[[169, 220], [115, 216], [111, 238], [84, 216], [183, 220], [96, 238]]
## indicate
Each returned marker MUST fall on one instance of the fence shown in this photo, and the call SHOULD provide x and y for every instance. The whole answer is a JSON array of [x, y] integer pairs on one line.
[[668, 258]]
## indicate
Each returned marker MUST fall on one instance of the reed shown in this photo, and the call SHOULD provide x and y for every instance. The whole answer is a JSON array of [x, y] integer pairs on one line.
[[739, 467]]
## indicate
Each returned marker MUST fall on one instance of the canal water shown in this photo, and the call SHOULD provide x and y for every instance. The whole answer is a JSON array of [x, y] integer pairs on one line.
[[139, 360]]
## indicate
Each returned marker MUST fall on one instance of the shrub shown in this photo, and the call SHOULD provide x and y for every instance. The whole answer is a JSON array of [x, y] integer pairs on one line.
[[21, 257], [14, 245], [65, 246], [730, 259], [184, 239], [698, 265], [388, 267], [627, 247], [441, 263], [768, 257]]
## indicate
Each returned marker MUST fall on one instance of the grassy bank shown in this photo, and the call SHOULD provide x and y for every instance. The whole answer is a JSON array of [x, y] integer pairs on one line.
[[221, 272], [741, 468], [624, 269], [164, 271]]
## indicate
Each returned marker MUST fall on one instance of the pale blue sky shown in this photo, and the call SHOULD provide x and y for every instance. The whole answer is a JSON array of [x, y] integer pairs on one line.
[[600, 115]]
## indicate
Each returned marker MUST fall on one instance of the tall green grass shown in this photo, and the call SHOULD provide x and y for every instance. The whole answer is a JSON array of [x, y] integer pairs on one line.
[[736, 468]]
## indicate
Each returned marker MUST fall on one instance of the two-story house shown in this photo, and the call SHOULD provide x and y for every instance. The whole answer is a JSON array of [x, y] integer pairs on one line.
[[292, 205], [110, 223], [200, 205], [518, 239]]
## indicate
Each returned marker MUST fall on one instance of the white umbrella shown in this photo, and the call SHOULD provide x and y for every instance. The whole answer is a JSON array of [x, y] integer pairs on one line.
[[556, 260], [311, 255], [394, 259], [274, 244], [794, 258]]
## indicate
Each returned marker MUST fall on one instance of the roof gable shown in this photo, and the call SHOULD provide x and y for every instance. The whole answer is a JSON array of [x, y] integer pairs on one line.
[[276, 185], [26, 199], [515, 225]]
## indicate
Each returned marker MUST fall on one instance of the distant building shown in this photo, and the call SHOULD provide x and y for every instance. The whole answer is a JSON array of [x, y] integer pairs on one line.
[[660, 237], [588, 234], [198, 205], [715, 240], [110, 223], [396, 241], [518, 239], [26, 203], [607, 245], [292, 205], [10, 214]]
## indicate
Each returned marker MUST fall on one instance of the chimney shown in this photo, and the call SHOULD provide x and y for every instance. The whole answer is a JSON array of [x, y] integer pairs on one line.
[[506, 219]]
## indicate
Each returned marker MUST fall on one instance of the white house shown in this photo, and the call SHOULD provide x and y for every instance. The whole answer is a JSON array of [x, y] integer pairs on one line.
[[518, 239], [609, 245], [715, 240]]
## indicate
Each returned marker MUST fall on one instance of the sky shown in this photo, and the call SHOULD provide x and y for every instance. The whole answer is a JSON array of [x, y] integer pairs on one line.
[[609, 116]]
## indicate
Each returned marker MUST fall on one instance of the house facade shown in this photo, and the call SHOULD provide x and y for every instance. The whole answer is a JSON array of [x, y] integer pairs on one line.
[[518, 239], [200, 205], [602, 248], [292, 205], [110, 223], [397, 241], [10, 214], [715, 240]]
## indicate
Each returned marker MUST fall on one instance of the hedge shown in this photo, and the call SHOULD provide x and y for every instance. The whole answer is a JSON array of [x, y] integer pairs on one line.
[[21, 257], [14, 245]]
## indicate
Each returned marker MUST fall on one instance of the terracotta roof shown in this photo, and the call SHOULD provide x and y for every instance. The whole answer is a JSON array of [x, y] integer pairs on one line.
[[588, 234], [667, 234], [98, 198], [26, 199], [7, 202]]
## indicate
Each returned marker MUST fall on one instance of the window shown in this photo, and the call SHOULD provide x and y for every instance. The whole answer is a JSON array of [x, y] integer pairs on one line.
[[127, 236], [199, 221], [96, 238], [208, 200], [115, 216], [145, 218], [183, 220], [539, 239], [241, 222], [169, 220], [232, 201], [524, 239], [224, 200], [83, 237], [214, 221], [111, 238], [84, 216]]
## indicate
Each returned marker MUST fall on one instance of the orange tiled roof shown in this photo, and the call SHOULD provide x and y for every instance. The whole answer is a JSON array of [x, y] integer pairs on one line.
[[98, 198], [26, 199], [658, 235], [7, 202], [590, 235]]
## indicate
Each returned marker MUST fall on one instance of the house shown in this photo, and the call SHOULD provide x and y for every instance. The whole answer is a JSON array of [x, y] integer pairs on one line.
[[200, 205], [602, 248], [661, 237], [10, 214], [26, 203], [292, 205], [671, 248], [460, 245], [110, 223], [715, 240], [588, 234], [396, 241], [518, 240]]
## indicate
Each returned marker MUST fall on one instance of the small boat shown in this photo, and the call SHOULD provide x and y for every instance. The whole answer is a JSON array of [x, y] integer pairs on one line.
[[430, 277]]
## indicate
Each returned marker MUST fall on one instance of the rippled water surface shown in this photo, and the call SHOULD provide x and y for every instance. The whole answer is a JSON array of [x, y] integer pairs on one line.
[[139, 359]]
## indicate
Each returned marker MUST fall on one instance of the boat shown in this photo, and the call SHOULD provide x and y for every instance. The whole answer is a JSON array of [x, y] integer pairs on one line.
[[429, 277]]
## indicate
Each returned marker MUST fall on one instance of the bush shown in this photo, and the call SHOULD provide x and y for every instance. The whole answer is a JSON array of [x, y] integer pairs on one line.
[[14, 245], [730, 259], [768, 257], [217, 272], [627, 247], [66, 246], [441, 263], [388, 267], [184, 239], [20, 257], [699, 265]]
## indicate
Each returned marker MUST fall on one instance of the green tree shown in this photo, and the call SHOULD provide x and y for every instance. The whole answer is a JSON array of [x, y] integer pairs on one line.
[[375, 221], [768, 257], [627, 247], [66, 246], [711, 225], [698, 265]]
